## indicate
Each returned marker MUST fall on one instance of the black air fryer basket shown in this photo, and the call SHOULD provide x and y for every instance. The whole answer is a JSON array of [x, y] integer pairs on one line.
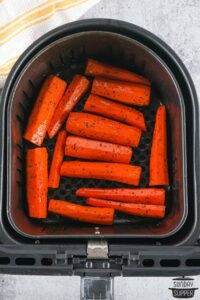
[[132, 246]]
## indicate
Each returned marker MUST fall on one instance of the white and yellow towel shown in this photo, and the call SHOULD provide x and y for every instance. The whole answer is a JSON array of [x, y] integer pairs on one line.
[[23, 21]]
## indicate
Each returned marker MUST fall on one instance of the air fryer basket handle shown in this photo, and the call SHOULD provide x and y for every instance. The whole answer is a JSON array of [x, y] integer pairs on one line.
[[97, 288]]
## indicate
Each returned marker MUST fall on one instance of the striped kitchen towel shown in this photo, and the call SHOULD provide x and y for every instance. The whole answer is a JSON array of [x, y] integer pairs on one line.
[[23, 21]]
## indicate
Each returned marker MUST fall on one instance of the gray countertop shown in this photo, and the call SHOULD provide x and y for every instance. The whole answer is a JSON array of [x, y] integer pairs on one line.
[[177, 22]]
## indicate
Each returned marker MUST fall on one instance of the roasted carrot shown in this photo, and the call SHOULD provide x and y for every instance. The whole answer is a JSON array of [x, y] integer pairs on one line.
[[37, 182], [116, 111], [138, 195], [158, 158], [108, 171], [73, 94], [103, 129], [122, 91], [45, 105], [58, 155], [97, 68], [144, 210], [96, 150], [82, 213]]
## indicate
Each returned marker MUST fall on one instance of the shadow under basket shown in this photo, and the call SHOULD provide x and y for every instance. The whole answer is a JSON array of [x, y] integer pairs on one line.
[[66, 56]]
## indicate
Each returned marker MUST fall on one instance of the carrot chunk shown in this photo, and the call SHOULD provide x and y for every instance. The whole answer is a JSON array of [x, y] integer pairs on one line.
[[58, 155], [77, 88], [108, 171], [96, 150], [43, 110], [103, 129], [37, 182], [158, 158], [138, 195], [82, 213], [144, 210], [116, 111], [122, 91], [97, 68]]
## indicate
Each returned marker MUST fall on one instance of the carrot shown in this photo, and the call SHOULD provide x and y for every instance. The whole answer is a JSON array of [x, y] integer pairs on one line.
[[73, 94], [96, 150], [126, 92], [116, 111], [82, 213], [42, 113], [144, 210], [138, 195], [58, 155], [103, 129], [108, 171], [97, 68], [158, 158], [37, 180]]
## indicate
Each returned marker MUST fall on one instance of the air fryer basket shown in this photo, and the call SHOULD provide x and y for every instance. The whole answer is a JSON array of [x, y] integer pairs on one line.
[[66, 57], [135, 247]]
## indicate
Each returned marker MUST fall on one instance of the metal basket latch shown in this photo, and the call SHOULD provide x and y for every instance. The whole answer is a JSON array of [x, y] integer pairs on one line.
[[96, 287], [97, 249]]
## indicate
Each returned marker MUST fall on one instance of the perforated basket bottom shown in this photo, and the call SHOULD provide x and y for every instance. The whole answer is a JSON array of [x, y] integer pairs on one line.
[[68, 186]]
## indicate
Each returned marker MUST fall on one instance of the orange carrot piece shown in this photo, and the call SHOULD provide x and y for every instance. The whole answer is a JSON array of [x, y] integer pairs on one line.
[[103, 129], [116, 111], [138, 195], [108, 171], [158, 158], [58, 155], [37, 181], [82, 213], [96, 150], [126, 92], [43, 110], [97, 68], [144, 210], [77, 88]]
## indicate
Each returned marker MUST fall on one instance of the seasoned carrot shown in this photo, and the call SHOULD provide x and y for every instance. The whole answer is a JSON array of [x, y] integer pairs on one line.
[[58, 155], [108, 171], [37, 182], [116, 111], [122, 91], [97, 68], [144, 210], [73, 94], [158, 158], [103, 129], [96, 150], [45, 105], [138, 195], [82, 213]]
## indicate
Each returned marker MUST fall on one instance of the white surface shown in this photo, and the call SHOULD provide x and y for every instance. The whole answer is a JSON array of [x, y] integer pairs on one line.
[[177, 22]]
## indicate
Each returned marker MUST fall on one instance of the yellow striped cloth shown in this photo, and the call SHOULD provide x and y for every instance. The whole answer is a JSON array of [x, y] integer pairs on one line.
[[23, 21]]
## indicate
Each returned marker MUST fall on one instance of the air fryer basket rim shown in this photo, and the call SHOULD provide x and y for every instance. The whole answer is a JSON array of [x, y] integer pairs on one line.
[[113, 26], [124, 235]]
